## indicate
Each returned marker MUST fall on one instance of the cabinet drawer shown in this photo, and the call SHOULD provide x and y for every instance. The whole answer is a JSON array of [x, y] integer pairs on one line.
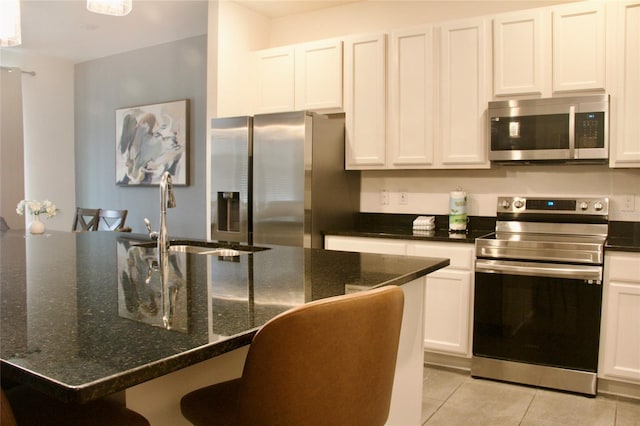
[[461, 255], [623, 266], [364, 245]]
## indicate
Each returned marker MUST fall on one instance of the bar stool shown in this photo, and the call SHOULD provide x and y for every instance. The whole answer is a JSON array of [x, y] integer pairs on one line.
[[326, 362]]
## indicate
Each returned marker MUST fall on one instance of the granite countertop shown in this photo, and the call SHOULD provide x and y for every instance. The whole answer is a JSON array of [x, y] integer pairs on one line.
[[84, 315], [400, 226], [623, 236]]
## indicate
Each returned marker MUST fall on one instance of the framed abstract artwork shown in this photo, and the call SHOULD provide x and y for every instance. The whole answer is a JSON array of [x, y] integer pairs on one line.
[[152, 139]]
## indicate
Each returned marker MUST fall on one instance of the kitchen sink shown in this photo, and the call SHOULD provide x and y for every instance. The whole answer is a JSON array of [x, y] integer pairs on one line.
[[220, 251], [207, 248]]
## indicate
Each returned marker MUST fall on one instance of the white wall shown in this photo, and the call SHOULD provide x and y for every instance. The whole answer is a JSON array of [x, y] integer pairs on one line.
[[428, 190], [48, 132], [384, 15], [239, 31]]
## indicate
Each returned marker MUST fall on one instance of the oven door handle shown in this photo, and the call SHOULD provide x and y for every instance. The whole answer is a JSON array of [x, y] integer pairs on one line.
[[581, 272]]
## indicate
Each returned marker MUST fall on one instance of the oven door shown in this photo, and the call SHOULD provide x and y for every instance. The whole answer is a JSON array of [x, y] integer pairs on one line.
[[538, 313]]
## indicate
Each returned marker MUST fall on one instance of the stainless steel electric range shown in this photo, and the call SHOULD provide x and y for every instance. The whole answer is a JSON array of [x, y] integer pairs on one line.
[[538, 293]]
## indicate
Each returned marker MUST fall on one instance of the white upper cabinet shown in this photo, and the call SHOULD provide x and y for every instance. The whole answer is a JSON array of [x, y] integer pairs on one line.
[[411, 133], [547, 51], [365, 76], [318, 76], [275, 80], [579, 47], [464, 93], [300, 77], [625, 103], [519, 45]]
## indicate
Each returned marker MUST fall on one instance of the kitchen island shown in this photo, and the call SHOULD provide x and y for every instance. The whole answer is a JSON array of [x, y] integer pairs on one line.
[[85, 315]]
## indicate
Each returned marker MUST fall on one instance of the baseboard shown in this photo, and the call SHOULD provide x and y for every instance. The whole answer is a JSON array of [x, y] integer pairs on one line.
[[623, 390], [448, 361]]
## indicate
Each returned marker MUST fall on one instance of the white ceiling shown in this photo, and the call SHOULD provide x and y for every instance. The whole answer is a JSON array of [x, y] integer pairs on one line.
[[65, 29]]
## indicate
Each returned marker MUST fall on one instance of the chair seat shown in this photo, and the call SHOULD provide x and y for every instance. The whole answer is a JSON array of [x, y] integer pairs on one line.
[[31, 407], [209, 405]]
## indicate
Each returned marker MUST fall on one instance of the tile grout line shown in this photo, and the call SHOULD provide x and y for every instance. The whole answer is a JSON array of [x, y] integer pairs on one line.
[[528, 407]]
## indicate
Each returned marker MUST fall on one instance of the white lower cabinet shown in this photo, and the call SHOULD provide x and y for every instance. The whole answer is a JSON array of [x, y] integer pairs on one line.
[[620, 327], [449, 291], [448, 298]]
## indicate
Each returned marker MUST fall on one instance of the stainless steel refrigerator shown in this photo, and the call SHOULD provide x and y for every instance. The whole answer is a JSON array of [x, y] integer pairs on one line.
[[297, 186]]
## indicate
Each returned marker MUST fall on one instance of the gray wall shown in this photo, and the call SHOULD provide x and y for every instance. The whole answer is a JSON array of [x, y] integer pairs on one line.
[[156, 74]]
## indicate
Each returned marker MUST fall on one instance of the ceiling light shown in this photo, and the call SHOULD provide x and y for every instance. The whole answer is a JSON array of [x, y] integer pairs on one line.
[[110, 7], [10, 23]]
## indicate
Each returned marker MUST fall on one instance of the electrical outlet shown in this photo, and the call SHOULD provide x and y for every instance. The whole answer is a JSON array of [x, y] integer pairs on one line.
[[628, 203], [404, 198], [384, 197]]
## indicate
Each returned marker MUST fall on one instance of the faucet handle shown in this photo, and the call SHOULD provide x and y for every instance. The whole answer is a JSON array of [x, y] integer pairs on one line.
[[152, 234], [171, 201]]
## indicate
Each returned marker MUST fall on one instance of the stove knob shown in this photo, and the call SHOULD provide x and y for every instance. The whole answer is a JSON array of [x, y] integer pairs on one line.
[[518, 204], [598, 206], [505, 204], [584, 206]]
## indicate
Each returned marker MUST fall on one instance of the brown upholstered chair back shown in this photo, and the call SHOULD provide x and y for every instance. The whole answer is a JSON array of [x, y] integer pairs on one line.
[[326, 362], [6, 413]]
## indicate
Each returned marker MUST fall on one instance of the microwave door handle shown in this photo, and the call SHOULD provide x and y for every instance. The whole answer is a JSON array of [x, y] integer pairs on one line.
[[572, 132]]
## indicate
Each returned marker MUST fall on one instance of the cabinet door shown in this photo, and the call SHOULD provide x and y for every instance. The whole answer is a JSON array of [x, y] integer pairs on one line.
[[318, 75], [579, 47], [411, 111], [620, 335], [625, 126], [519, 45], [447, 326], [448, 298], [464, 59], [275, 90], [365, 101]]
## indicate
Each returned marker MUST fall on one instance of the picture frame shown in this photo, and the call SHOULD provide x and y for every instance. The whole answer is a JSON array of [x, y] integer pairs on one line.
[[152, 139]]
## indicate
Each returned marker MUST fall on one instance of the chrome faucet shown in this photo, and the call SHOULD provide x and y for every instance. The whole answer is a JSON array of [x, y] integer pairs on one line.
[[167, 200]]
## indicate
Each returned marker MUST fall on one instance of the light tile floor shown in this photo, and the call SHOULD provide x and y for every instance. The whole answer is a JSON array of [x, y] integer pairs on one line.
[[454, 398]]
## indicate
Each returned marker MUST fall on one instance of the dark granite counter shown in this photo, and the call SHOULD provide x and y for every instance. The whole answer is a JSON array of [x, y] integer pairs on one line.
[[400, 226], [85, 315], [623, 236]]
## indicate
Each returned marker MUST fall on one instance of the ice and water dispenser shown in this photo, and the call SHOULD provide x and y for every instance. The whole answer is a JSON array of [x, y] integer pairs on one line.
[[228, 211], [230, 178]]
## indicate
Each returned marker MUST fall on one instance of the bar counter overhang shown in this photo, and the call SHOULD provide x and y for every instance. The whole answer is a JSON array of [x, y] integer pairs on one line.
[[85, 315]]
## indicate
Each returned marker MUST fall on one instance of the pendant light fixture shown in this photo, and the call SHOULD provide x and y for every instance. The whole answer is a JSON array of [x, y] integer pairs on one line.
[[110, 7], [10, 23]]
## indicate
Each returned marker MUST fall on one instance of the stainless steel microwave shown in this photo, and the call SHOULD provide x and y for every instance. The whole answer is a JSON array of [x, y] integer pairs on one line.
[[552, 129]]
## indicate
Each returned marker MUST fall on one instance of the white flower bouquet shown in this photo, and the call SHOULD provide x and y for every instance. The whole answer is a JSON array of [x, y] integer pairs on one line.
[[37, 207]]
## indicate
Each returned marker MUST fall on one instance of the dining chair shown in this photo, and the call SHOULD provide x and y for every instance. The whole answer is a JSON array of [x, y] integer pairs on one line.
[[329, 362], [23, 406], [85, 220], [112, 220]]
